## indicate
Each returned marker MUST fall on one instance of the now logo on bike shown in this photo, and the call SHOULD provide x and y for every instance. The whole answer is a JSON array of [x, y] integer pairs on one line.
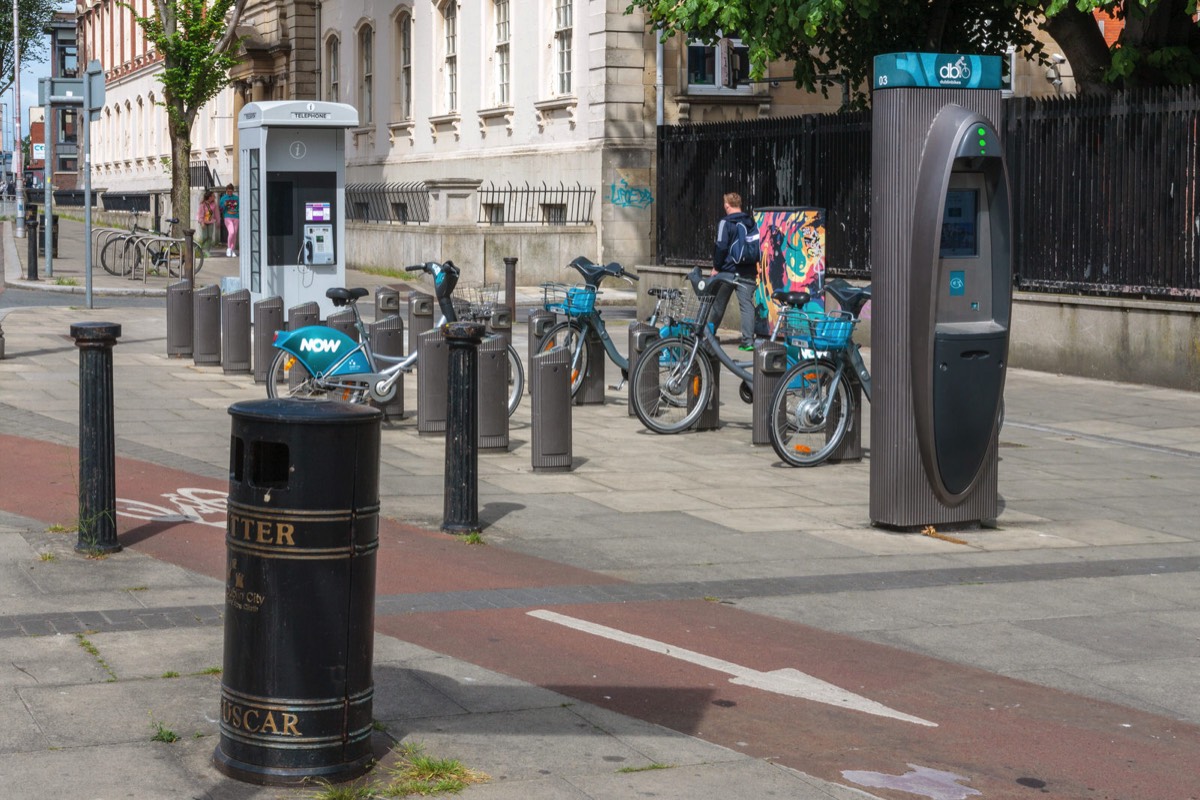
[[320, 345]]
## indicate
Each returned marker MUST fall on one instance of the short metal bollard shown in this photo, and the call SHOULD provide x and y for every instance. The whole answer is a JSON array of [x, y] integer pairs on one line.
[[31, 253], [493, 393], [180, 319], [387, 302], [710, 417], [540, 321], [432, 375], [206, 327], [770, 362], [268, 318], [302, 535], [461, 496], [420, 317], [510, 286], [387, 339], [235, 332], [591, 390], [641, 336], [97, 438], [550, 402]]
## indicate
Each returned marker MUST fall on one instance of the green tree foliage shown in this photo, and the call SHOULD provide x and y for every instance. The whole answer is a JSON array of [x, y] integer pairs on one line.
[[33, 16], [197, 41], [840, 38]]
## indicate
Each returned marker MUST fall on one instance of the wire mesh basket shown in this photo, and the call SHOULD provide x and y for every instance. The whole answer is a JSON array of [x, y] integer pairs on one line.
[[574, 301], [476, 302], [684, 311], [818, 330]]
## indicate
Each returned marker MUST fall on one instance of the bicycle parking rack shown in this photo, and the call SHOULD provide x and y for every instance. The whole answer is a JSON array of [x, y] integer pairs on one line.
[[206, 330], [492, 383], [641, 335], [432, 376], [591, 391], [539, 322], [420, 317], [235, 332], [550, 403]]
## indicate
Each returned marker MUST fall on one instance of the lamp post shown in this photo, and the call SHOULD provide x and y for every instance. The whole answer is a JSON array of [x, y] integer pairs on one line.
[[18, 159]]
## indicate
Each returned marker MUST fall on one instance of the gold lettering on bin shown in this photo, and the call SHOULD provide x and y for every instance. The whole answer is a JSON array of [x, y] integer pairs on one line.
[[261, 531], [257, 720], [236, 595]]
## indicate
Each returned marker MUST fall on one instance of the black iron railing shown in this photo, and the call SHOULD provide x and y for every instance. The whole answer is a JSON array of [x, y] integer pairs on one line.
[[202, 176], [538, 205], [406, 203], [126, 201]]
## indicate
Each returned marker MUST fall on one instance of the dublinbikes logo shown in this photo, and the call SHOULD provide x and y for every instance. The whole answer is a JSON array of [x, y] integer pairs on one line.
[[954, 73]]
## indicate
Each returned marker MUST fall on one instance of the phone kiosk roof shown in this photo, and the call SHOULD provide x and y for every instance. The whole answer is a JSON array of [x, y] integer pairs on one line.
[[298, 114]]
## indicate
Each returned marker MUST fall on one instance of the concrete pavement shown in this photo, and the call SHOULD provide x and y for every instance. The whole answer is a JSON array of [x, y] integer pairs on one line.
[[1085, 590]]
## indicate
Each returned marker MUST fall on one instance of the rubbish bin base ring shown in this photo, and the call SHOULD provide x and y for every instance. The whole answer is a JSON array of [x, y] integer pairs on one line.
[[290, 776]]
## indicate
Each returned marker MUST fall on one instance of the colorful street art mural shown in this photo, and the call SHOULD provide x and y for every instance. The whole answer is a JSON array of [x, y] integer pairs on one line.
[[793, 254]]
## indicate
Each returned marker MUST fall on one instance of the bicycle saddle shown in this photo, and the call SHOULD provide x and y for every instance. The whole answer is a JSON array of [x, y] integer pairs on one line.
[[792, 299], [850, 298], [593, 273], [341, 297]]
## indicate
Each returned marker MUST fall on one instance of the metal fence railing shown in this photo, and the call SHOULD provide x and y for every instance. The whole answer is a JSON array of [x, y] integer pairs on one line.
[[405, 203], [537, 205], [1106, 190]]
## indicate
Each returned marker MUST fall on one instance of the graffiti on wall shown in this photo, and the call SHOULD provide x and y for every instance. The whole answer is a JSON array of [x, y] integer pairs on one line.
[[626, 196]]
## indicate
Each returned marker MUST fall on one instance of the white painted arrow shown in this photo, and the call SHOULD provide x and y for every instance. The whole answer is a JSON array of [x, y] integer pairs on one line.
[[790, 682]]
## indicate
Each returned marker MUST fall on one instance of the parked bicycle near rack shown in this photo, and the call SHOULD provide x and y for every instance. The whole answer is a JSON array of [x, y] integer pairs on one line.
[[583, 321], [139, 251], [321, 363], [813, 405]]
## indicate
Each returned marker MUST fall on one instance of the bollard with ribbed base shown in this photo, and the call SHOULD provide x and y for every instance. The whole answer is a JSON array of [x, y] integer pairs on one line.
[[97, 438], [461, 506]]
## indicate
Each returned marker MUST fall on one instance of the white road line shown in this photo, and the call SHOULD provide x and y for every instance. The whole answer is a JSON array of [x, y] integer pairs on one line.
[[790, 682]]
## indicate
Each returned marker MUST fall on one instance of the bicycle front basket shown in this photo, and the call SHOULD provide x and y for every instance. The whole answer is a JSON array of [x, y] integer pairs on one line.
[[819, 330], [581, 300]]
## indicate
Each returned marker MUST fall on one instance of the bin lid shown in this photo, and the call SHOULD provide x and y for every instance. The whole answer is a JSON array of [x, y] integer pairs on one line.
[[305, 412]]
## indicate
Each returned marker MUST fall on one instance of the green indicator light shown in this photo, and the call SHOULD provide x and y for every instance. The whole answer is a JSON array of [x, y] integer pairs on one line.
[[983, 142], [982, 131]]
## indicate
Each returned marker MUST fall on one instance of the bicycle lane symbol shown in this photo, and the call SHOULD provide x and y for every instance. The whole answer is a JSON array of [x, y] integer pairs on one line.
[[202, 506]]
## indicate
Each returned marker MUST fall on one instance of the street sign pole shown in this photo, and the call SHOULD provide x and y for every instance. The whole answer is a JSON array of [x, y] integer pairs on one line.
[[19, 152], [93, 101]]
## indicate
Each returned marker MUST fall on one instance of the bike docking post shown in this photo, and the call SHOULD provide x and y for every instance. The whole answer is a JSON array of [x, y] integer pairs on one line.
[[235, 332], [303, 315], [206, 330], [493, 394], [180, 320], [420, 317], [641, 336], [770, 362], [302, 539], [461, 506], [710, 417], [432, 376], [387, 339], [550, 400], [851, 448], [189, 255], [343, 322], [591, 390], [387, 302], [97, 438], [540, 321], [267, 318]]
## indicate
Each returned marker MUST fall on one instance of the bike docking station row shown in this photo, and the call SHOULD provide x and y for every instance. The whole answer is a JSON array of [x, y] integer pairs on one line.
[[941, 262]]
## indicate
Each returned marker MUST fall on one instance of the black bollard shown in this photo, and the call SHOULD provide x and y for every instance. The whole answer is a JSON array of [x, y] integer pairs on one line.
[[510, 286], [97, 440], [461, 507], [31, 233]]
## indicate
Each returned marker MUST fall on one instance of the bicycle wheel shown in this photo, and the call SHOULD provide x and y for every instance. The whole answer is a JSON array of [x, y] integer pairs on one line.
[[671, 385], [115, 256], [287, 377], [810, 413], [516, 380], [569, 335]]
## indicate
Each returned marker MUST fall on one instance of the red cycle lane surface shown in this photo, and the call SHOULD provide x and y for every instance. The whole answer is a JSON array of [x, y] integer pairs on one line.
[[1005, 738]]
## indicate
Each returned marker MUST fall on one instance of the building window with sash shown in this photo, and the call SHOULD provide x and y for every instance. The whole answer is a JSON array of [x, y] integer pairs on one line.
[[404, 66], [450, 56], [723, 64], [563, 30], [332, 48], [502, 62], [366, 74]]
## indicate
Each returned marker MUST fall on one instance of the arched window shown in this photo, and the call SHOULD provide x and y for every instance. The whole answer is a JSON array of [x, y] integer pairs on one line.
[[333, 48], [366, 74]]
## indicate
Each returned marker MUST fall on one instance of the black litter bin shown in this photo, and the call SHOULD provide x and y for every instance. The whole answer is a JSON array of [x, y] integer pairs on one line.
[[53, 235], [301, 536]]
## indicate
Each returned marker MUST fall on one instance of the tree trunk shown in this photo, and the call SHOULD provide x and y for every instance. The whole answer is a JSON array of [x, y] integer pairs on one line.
[[181, 178], [1084, 47]]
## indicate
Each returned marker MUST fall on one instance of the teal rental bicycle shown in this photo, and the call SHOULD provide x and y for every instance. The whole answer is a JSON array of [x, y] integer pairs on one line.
[[321, 363], [578, 304]]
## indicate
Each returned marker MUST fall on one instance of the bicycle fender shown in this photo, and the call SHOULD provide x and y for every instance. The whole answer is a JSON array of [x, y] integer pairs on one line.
[[318, 348]]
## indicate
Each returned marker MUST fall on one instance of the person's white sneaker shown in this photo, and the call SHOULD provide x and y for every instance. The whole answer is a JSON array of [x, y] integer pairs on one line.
[[229, 253]]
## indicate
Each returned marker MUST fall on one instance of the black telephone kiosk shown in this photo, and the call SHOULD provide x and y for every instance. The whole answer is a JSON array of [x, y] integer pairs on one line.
[[961, 300]]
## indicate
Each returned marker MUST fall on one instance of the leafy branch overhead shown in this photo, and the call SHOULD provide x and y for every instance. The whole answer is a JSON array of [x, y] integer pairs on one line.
[[826, 39], [33, 15]]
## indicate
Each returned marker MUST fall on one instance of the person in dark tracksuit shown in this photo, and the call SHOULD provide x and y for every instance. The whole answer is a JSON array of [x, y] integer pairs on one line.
[[747, 272]]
